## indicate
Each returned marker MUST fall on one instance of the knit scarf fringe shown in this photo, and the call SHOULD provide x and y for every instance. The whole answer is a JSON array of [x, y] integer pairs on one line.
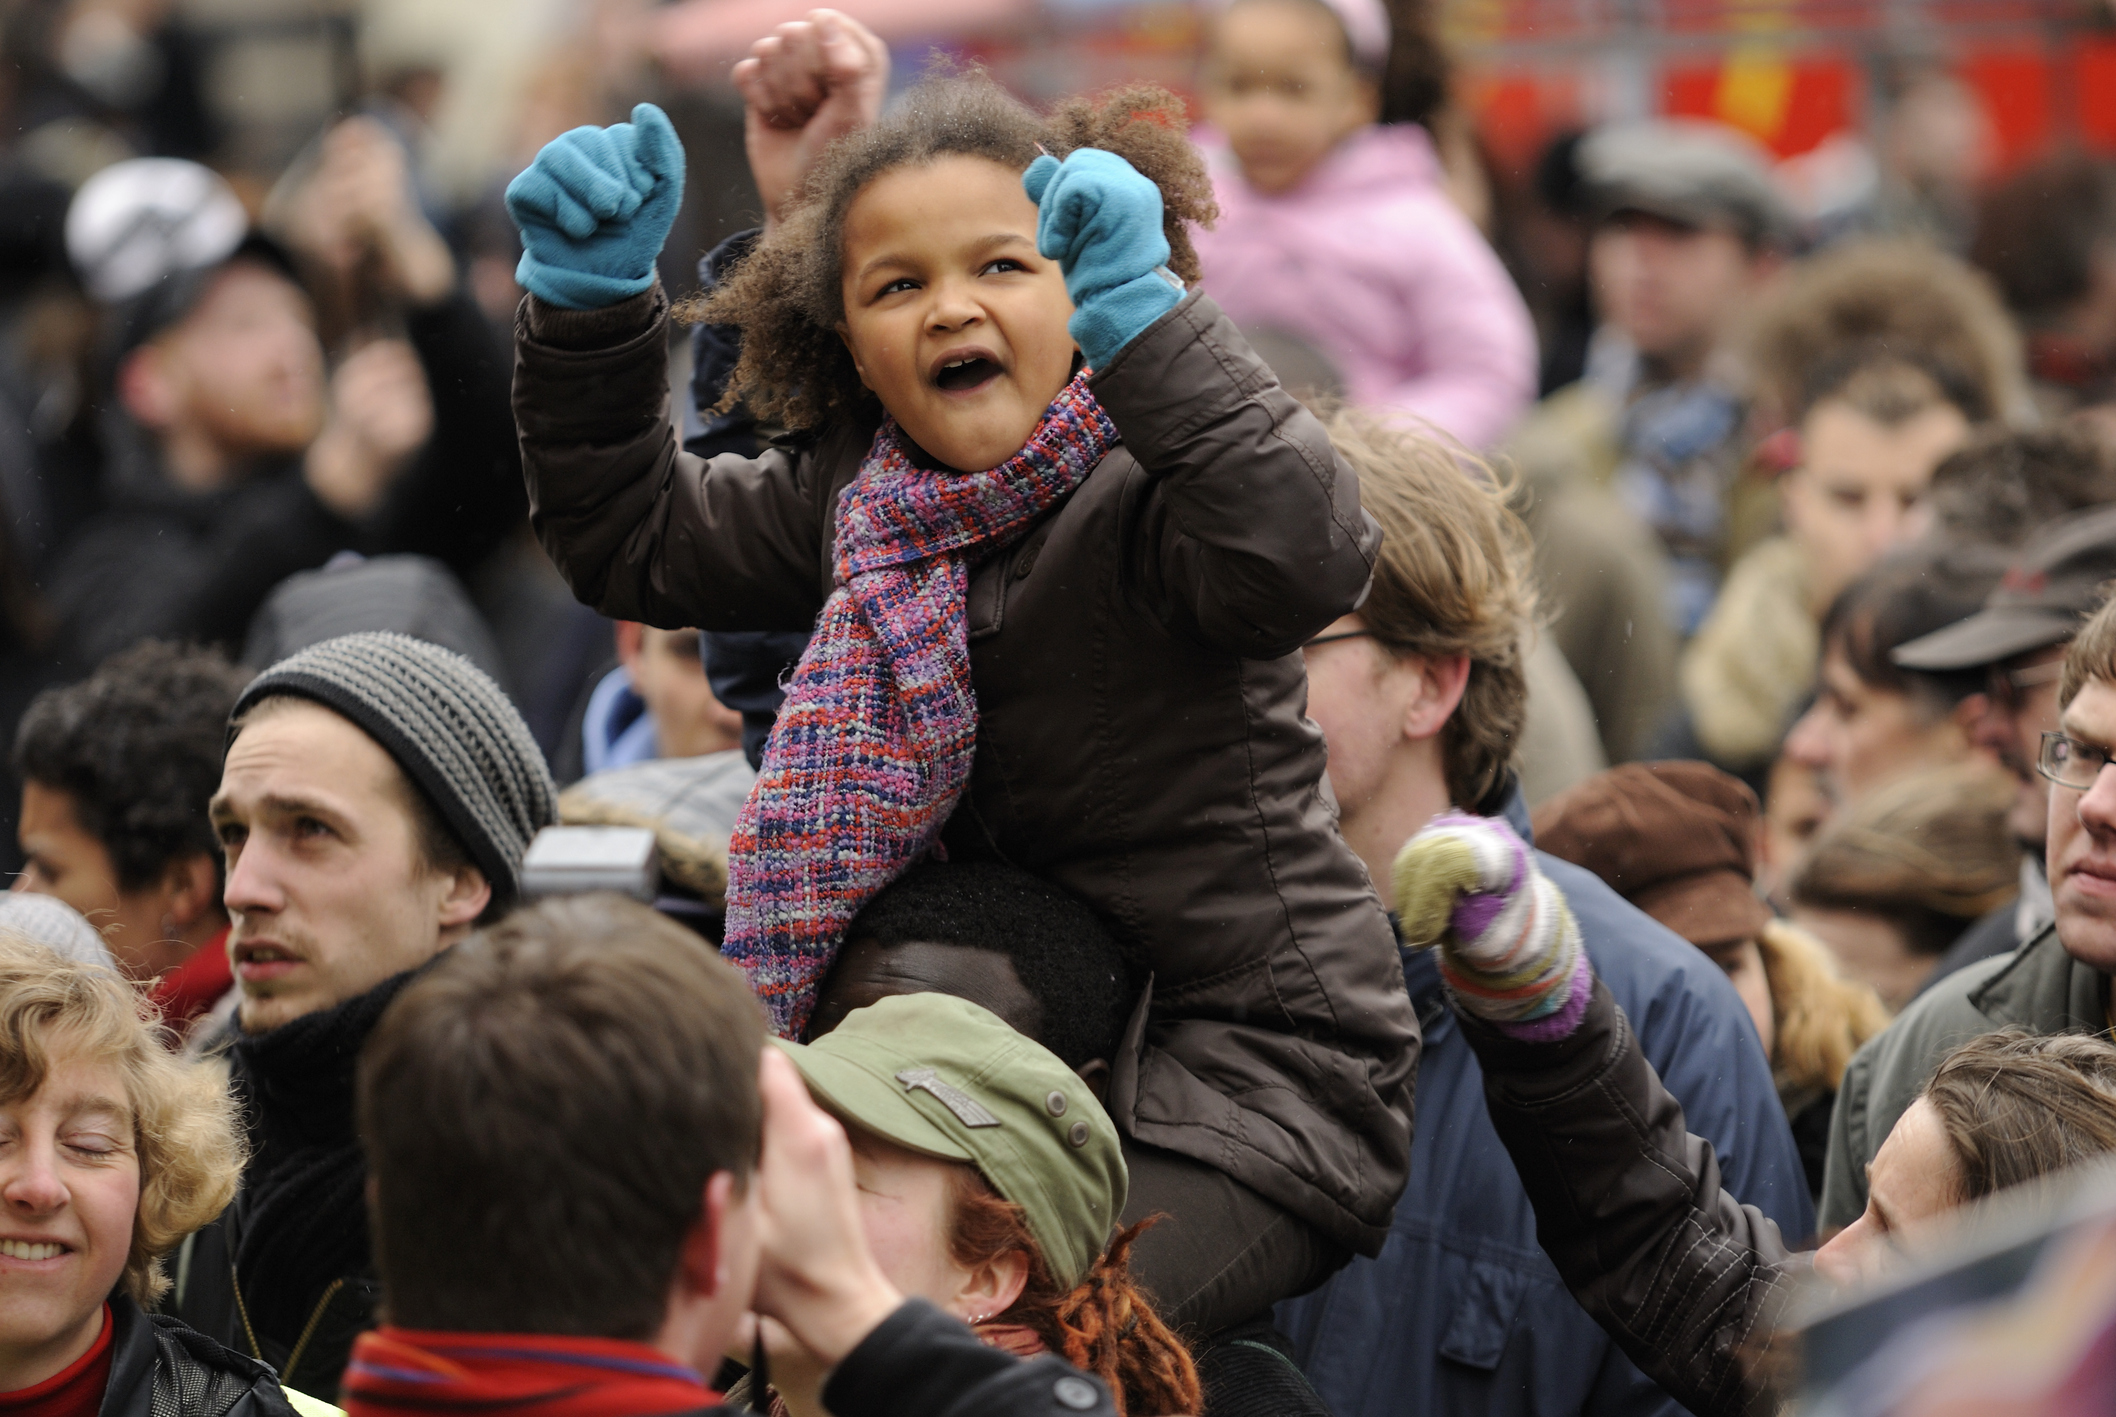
[[874, 743]]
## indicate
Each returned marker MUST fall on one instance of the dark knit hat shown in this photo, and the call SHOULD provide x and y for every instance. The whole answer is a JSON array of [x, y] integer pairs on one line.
[[1678, 840], [448, 726]]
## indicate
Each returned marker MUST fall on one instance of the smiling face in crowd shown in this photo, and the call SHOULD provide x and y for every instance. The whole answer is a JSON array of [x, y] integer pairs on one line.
[[1279, 83], [328, 886], [70, 1184], [953, 319]]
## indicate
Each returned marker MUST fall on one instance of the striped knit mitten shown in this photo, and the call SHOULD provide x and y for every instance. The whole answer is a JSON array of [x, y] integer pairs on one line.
[[1509, 947]]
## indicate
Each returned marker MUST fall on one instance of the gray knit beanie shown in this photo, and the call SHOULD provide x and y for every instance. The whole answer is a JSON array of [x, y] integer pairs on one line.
[[448, 726]]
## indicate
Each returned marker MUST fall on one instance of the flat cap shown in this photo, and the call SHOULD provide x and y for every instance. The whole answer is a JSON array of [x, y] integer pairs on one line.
[[1688, 171], [2045, 596], [1676, 839]]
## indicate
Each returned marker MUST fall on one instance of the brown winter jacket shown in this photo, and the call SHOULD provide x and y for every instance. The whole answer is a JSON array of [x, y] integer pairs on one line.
[[1142, 739], [1630, 1208]]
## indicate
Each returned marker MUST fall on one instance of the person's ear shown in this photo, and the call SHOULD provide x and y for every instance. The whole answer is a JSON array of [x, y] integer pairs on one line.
[[191, 885], [992, 1287], [845, 337], [1437, 692], [466, 897], [147, 387], [1095, 1073], [701, 1262]]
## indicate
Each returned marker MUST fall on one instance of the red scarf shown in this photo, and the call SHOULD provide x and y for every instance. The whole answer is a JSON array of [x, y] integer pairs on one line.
[[74, 1391], [185, 992], [398, 1370]]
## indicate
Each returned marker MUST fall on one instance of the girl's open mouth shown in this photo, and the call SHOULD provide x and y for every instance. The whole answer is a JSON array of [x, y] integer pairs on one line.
[[958, 376]]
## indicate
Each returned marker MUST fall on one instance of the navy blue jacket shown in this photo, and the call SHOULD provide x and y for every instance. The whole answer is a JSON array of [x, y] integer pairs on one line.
[[1462, 1312]]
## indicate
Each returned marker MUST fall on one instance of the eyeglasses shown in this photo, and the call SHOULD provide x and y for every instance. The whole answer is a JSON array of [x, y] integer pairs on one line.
[[2070, 763], [1333, 639]]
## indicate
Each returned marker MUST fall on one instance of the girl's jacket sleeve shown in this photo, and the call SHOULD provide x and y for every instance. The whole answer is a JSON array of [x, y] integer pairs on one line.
[[640, 529], [1253, 539]]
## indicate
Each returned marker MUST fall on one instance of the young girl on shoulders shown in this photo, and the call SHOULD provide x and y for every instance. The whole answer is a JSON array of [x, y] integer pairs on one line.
[[1060, 536]]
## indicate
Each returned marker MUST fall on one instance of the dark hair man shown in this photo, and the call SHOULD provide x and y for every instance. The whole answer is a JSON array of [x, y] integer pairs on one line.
[[1001, 938], [378, 796], [2062, 725], [1421, 695], [115, 775], [488, 1099]]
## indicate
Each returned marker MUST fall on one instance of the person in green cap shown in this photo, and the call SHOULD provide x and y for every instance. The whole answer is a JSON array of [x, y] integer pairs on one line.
[[990, 1183]]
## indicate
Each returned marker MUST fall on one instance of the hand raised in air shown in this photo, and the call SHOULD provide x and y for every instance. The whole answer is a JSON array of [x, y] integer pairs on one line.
[[805, 85], [1100, 219], [595, 208]]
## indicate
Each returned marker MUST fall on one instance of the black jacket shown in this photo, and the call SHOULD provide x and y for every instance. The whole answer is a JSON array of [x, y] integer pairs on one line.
[[159, 1368], [162, 562], [921, 1362], [286, 1273], [1630, 1207]]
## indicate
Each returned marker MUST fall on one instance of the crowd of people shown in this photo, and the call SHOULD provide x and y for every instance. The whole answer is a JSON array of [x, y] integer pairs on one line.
[[1280, 781]]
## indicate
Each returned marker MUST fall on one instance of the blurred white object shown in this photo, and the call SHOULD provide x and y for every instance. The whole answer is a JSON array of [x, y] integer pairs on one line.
[[135, 222], [55, 924]]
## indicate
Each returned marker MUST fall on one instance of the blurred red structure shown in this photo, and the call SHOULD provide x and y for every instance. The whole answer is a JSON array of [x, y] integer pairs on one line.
[[1790, 72]]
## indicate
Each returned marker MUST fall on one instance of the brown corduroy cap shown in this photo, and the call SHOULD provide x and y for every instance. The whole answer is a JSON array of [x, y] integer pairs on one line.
[[1677, 840]]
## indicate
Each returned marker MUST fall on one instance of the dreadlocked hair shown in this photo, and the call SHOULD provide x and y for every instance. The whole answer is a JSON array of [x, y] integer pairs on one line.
[[786, 298], [1103, 1325]]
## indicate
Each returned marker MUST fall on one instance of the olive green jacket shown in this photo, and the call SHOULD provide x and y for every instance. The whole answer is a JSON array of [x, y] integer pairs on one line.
[[2038, 987]]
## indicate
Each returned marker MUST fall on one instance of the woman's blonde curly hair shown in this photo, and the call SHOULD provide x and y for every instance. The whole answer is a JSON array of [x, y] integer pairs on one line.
[[184, 1123], [786, 297]]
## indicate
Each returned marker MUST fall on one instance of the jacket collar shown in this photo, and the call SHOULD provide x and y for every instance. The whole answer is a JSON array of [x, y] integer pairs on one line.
[[2045, 990], [132, 1356], [299, 1076]]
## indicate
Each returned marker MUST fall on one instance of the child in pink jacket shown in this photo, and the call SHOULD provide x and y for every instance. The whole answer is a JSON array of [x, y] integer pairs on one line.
[[1336, 229]]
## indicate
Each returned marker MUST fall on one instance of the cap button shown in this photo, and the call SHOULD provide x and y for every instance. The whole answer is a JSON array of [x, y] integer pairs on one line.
[[1055, 1103], [1078, 1135]]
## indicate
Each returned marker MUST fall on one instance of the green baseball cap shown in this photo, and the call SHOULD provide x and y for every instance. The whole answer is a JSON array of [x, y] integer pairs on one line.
[[946, 1078]]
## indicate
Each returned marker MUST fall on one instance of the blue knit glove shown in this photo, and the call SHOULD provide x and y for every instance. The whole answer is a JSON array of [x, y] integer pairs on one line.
[[1101, 221], [594, 209]]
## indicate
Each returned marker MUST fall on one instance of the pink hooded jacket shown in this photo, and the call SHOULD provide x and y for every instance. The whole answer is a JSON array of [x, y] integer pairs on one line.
[[1369, 261]]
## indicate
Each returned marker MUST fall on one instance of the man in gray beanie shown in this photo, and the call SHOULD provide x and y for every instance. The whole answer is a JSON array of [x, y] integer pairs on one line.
[[377, 798]]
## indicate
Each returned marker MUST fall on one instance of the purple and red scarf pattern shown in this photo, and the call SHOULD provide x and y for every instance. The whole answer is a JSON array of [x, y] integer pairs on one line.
[[874, 743]]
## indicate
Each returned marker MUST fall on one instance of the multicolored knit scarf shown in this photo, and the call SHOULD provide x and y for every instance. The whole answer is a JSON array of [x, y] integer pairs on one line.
[[874, 742]]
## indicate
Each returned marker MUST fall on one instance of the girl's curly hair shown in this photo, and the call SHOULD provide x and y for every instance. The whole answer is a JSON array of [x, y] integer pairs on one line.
[[786, 298]]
